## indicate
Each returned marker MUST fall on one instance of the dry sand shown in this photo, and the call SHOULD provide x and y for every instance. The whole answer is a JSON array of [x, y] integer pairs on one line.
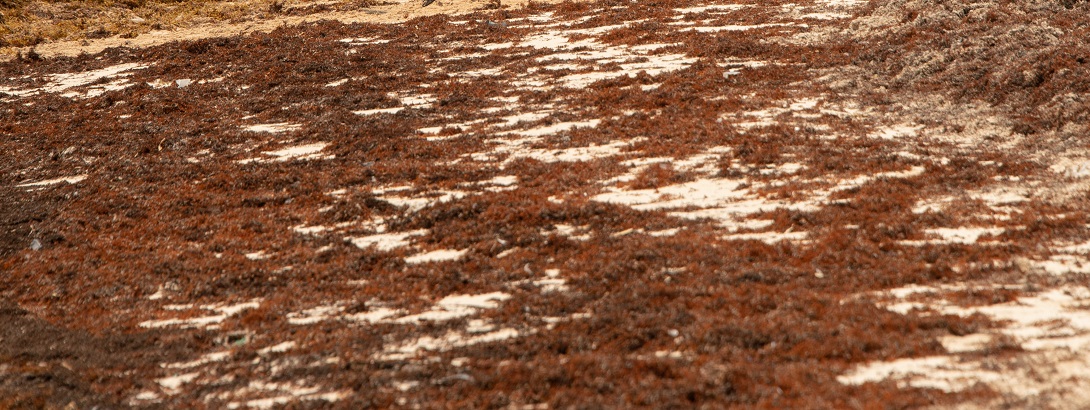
[[395, 13]]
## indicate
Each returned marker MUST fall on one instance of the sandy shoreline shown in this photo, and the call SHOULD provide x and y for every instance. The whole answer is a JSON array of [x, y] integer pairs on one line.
[[381, 14]]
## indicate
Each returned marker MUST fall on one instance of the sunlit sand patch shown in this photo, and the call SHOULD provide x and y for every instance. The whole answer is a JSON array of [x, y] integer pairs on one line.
[[456, 306], [731, 201], [336, 312], [1071, 167], [937, 372], [497, 184], [1080, 248], [587, 53], [308, 151], [1001, 199], [727, 201], [309, 230], [468, 56], [496, 46], [551, 321], [199, 156], [732, 216], [62, 82], [561, 66], [277, 348], [555, 128], [963, 235], [656, 65], [97, 90], [735, 66], [1059, 265], [535, 18], [769, 237], [706, 163], [479, 326], [376, 315], [440, 255], [449, 308], [415, 100], [144, 398], [159, 83], [450, 340], [699, 193], [1002, 195], [256, 256], [899, 131], [485, 72], [552, 282], [315, 314], [576, 233], [386, 242], [528, 116], [203, 360], [687, 22], [664, 232], [273, 128], [393, 110], [551, 285], [845, 184], [68, 180], [285, 393], [299, 153], [162, 291], [784, 169], [337, 83], [254, 394], [967, 343], [1052, 326], [575, 154], [363, 41], [277, 367], [407, 101], [207, 322], [172, 385], [430, 133], [668, 354], [376, 224], [406, 385], [423, 200]]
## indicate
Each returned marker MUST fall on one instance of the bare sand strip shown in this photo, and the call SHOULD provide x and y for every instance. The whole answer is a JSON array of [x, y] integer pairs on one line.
[[396, 13]]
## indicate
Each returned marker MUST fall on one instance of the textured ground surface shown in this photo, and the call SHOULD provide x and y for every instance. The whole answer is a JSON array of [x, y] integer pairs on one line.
[[816, 204]]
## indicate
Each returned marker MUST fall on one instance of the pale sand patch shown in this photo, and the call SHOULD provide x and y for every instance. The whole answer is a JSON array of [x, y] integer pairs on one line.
[[386, 14]]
